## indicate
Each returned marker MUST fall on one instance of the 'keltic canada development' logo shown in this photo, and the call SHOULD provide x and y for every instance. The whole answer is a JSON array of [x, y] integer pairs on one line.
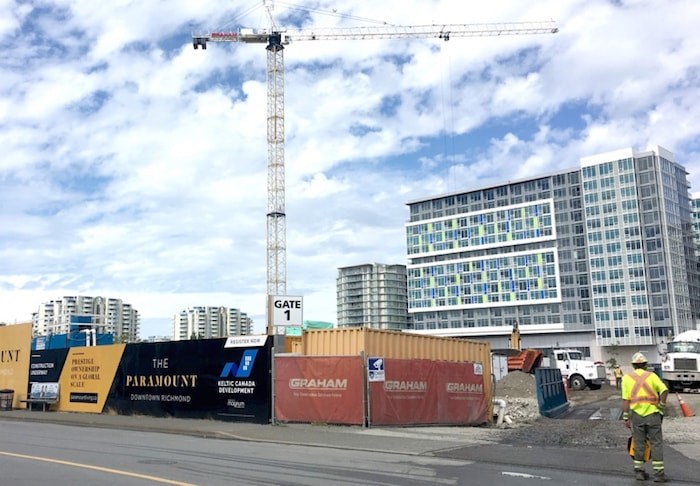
[[243, 369]]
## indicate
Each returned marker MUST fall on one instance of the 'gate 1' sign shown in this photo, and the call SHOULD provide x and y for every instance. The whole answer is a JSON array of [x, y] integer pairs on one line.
[[286, 310]]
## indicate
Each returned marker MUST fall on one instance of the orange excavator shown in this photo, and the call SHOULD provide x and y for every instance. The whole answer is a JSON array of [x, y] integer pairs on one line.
[[525, 360]]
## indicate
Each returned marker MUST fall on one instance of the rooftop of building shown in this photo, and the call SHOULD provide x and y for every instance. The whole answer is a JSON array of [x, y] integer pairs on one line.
[[588, 160]]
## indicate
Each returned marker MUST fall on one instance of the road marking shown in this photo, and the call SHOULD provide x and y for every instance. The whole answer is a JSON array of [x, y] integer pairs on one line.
[[526, 476], [98, 468]]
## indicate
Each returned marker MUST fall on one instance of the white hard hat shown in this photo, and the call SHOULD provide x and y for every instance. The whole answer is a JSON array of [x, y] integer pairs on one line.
[[639, 358]]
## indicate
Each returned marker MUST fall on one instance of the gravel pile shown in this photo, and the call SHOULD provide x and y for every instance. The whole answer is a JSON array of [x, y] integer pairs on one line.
[[519, 392], [516, 384]]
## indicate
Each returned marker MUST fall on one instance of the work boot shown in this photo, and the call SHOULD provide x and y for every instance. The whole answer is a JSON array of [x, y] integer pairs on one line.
[[640, 475], [660, 477]]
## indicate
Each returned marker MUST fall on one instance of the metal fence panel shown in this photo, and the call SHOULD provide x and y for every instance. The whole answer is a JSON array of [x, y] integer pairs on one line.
[[551, 395]]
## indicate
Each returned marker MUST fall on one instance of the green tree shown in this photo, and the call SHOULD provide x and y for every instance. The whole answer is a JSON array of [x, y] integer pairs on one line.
[[613, 351]]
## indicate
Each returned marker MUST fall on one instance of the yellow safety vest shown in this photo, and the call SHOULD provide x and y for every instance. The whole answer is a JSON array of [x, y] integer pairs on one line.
[[642, 389]]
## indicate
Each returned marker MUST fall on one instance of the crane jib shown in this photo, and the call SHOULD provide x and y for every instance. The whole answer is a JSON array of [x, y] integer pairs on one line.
[[444, 31]]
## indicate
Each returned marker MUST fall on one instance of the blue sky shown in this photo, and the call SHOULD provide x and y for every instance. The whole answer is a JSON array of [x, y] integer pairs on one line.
[[134, 167]]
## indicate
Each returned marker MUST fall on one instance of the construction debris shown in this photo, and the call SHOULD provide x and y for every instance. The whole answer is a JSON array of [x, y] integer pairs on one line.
[[519, 392], [516, 384]]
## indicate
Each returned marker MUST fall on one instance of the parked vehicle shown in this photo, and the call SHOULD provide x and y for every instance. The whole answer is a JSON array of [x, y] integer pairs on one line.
[[680, 365], [580, 372]]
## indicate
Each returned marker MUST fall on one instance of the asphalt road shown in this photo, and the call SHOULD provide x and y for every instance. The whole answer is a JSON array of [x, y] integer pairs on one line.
[[45, 453], [69, 448]]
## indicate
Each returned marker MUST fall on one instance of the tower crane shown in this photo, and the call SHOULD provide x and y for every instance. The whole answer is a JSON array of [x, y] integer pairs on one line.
[[276, 39]]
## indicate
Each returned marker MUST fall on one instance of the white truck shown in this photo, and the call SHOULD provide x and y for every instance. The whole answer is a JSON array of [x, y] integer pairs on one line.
[[580, 372], [680, 364]]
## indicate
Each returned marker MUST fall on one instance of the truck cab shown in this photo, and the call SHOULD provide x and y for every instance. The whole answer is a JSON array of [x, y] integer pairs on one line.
[[578, 371], [680, 365]]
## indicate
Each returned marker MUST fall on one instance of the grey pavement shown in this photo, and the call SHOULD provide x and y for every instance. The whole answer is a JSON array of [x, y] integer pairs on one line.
[[482, 444], [680, 469], [423, 440]]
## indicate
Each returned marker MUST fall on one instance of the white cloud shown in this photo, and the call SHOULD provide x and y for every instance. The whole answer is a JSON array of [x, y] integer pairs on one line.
[[134, 166]]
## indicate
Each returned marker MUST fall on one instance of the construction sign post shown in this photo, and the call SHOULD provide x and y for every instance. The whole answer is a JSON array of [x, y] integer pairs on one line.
[[284, 311], [375, 369]]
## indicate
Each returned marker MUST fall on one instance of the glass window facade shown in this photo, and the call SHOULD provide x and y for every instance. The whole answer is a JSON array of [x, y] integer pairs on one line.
[[607, 248], [372, 295], [498, 227]]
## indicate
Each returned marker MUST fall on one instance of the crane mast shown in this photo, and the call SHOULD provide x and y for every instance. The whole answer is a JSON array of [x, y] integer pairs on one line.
[[276, 216], [276, 39]]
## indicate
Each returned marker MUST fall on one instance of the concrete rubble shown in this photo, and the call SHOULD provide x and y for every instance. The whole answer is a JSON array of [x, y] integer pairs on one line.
[[518, 391]]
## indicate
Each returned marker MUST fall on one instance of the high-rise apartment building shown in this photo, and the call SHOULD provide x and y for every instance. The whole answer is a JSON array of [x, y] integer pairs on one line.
[[601, 256], [695, 215], [210, 322], [695, 212], [373, 295], [104, 315]]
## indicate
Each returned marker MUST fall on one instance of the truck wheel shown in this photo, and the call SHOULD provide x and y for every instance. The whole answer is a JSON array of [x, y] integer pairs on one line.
[[577, 382]]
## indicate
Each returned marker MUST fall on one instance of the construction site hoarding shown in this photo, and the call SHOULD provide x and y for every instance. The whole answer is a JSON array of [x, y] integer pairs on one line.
[[317, 389], [223, 379], [461, 393], [398, 345], [15, 346], [86, 377], [425, 392]]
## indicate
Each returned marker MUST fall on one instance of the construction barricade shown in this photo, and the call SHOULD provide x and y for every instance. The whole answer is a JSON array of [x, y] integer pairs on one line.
[[425, 392], [319, 389], [551, 393], [342, 390]]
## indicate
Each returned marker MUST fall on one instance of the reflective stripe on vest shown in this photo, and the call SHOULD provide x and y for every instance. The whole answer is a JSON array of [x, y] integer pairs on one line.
[[641, 383]]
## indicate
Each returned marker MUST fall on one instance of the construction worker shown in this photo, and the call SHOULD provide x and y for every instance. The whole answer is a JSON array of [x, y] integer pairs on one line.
[[618, 376], [643, 405]]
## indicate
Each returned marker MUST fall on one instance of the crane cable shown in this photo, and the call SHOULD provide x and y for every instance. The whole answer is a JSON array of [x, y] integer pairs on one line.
[[448, 123], [292, 6], [256, 5], [333, 13]]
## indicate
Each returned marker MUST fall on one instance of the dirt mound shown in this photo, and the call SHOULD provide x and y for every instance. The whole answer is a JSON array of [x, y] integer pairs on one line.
[[516, 384]]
